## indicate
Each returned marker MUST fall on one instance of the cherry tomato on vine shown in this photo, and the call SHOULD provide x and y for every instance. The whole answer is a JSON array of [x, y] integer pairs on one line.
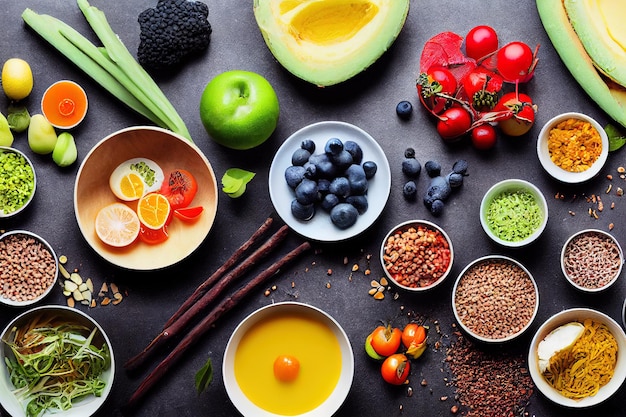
[[484, 137], [436, 81], [482, 87], [386, 340], [515, 61], [523, 113], [395, 369], [153, 236], [180, 188], [481, 41], [453, 123]]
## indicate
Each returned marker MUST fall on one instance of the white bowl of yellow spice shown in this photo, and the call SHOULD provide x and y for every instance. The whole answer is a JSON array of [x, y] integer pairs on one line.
[[572, 147]]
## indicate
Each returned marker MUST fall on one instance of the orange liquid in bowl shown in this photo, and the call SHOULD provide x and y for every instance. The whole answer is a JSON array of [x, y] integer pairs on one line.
[[309, 340], [64, 104]]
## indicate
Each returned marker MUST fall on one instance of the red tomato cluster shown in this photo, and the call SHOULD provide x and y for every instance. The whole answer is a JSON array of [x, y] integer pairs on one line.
[[385, 343], [466, 92]]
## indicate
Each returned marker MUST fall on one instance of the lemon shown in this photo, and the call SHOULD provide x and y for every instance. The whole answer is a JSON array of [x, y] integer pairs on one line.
[[17, 79]]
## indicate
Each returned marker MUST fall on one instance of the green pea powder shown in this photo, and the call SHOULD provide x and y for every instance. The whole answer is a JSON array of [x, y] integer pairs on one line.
[[514, 215]]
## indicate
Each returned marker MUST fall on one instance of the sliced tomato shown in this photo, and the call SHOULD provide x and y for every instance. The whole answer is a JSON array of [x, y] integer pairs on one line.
[[180, 188], [188, 214], [153, 236]]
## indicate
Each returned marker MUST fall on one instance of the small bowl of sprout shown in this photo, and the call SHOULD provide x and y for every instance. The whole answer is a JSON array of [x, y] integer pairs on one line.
[[18, 180], [83, 345], [513, 213]]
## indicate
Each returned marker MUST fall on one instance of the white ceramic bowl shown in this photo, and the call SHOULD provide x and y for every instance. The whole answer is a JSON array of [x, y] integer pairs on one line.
[[556, 171], [589, 268], [35, 241], [332, 403], [8, 149], [564, 317], [170, 151], [512, 186], [505, 295], [385, 258], [81, 408]]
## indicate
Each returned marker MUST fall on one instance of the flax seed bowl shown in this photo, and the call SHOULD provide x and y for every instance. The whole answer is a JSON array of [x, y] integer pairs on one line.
[[572, 147], [513, 213], [29, 268], [417, 255], [592, 260], [495, 299]]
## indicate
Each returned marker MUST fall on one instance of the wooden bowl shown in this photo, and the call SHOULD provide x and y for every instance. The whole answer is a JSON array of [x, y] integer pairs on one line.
[[170, 151]]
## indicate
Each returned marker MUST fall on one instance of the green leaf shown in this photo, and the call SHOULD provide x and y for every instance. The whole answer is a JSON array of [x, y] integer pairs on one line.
[[234, 181], [616, 139], [204, 376]]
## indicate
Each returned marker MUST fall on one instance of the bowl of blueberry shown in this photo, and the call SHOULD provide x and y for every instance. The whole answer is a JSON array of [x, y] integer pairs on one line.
[[329, 181]]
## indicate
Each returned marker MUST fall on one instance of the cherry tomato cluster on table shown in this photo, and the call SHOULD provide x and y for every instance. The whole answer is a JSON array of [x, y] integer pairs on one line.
[[395, 348], [474, 92]]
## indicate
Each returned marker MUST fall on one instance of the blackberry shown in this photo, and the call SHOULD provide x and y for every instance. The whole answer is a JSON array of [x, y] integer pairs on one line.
[[409, 153]]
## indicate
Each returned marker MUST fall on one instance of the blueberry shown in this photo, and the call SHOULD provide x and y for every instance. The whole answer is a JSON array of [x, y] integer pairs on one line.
[[310, 171], [436, 207], [293, 175], [460, 167], [323, 185], [308, 145], [404, 109], [409, 190], [359, 202], [341, 160], [306, 192], [439, 189], [411, 167], [340, 186], [455, 180], [355, 150], [302, 211], [357, 179], [300, 157], [409, 153], [329, 201], [433, 168], [370, 168], [344, 215], [324, 166], [333, 146]]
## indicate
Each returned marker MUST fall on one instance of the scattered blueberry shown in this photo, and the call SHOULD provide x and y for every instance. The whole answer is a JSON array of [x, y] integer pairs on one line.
[[433, 168], [300, 157], [404, 109], [411, 167], [308, 145], [460, 167], [409, 190], [370, 169], [436, 207], [333, 146], [455, 180], [343, 215]]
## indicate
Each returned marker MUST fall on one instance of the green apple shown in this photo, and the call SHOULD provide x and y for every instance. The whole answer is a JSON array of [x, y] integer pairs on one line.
[[239, 109]]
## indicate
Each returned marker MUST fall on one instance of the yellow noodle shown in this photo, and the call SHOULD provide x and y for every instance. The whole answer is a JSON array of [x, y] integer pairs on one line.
[[589, 364]]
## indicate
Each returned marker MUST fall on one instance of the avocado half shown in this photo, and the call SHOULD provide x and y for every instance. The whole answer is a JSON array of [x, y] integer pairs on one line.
[[610, 96], [326, 42]]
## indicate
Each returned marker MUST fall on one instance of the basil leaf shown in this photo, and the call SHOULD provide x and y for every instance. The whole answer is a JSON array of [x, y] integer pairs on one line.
[[204, 376]]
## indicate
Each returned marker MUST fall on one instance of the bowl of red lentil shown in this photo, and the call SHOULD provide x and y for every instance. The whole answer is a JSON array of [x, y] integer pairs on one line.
[[29, 266], [417, 255], [17, 181], [572, 147], [495, 299], [513, 213], [592, 260]]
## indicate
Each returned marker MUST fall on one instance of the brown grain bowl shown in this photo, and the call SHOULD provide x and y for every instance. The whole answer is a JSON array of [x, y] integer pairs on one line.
[[170, 151]]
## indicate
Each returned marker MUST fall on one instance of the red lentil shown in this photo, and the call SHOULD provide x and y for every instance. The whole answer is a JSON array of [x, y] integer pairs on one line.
[[27, 268], [417, 256]]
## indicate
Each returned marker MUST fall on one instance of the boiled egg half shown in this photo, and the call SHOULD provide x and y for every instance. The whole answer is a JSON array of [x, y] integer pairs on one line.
[[134, 178], [558, 339]]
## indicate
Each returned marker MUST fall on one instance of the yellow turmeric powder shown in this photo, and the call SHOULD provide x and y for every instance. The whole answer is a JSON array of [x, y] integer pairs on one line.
[[574, 145]]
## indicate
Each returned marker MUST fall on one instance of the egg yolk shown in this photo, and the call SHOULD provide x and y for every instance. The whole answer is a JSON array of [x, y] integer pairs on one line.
[[286, 368]]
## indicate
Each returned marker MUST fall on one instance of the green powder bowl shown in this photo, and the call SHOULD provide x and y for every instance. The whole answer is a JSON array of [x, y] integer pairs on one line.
[[513, 213]]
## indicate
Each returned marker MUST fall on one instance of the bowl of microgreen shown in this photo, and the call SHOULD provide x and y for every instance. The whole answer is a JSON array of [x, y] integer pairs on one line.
[[18, 181], [514, 213], [86, 363]]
